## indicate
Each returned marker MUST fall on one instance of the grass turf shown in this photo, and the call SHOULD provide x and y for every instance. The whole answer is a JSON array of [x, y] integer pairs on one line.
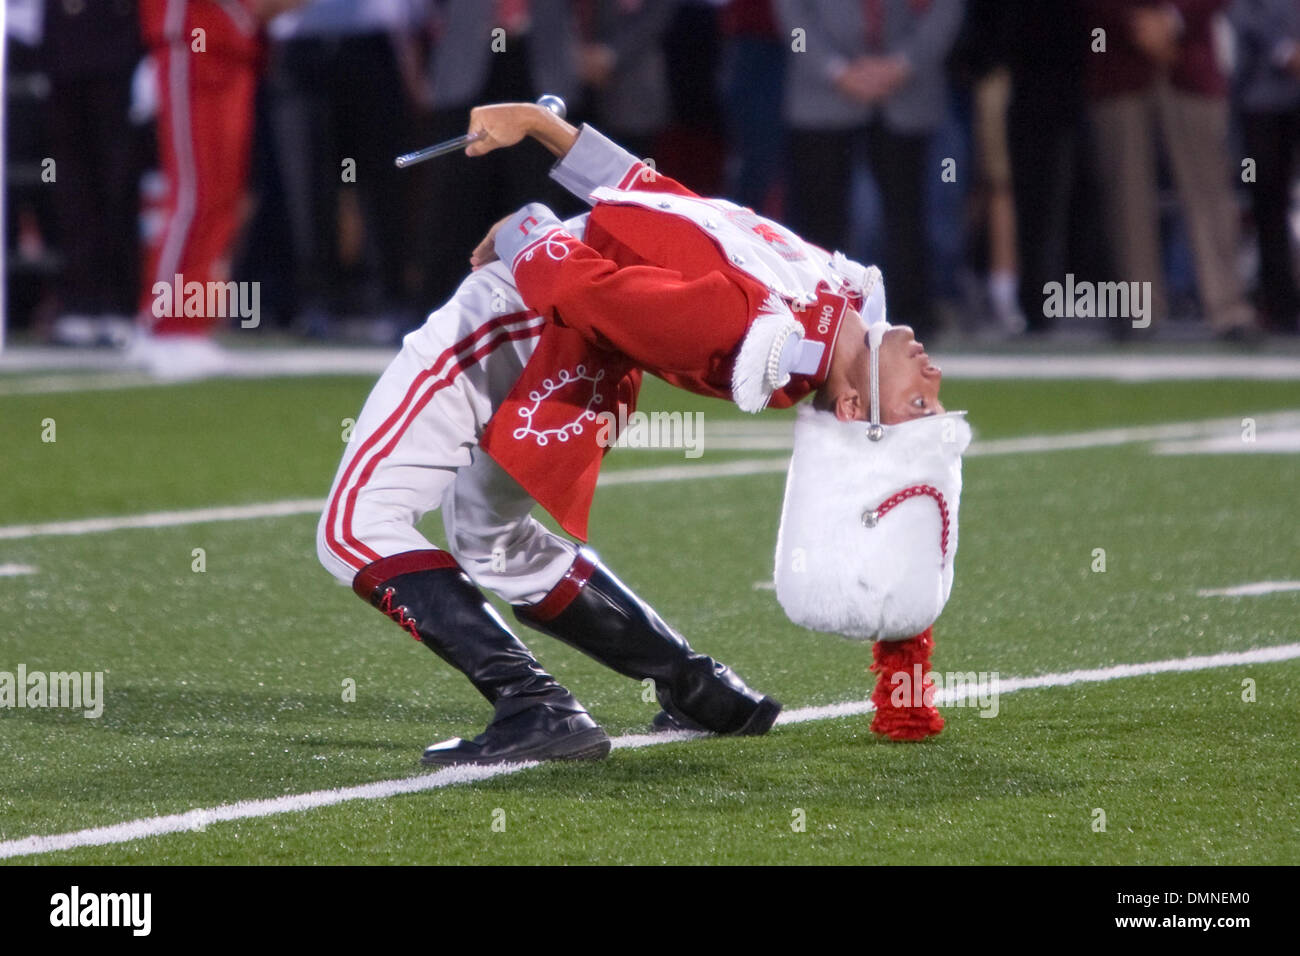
[[228, 684]]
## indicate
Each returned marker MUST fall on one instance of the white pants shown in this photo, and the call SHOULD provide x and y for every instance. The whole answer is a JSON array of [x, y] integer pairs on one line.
[[415, 448]]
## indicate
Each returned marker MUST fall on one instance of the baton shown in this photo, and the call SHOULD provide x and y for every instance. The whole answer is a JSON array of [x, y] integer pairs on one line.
[[549, 102]]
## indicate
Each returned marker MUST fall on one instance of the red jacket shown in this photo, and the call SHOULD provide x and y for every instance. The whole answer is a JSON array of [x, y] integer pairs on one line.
[[662, 281]]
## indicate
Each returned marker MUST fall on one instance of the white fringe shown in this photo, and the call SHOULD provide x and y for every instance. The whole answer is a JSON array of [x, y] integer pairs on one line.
[[752, 384]]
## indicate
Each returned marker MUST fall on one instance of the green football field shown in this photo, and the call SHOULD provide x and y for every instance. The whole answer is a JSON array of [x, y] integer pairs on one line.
[[235, 669]]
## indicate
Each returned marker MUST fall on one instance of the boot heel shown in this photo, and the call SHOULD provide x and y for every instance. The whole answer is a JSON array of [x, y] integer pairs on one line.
[[589, 745]]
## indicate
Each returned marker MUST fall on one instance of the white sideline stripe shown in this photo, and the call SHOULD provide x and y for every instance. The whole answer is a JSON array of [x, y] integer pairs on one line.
[[1281, 442], [48, 384], [15, 570], [250, 809], [1276, 432], [950, 695], [247, 809], [301, 506], [726, 469], [165, 519], [268, 362], [308, 360], [1252, 589], [1109, 437], [1122, 368], [1032, 444]]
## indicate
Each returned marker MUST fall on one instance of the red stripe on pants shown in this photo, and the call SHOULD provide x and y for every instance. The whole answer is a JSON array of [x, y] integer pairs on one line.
[[350, 549]]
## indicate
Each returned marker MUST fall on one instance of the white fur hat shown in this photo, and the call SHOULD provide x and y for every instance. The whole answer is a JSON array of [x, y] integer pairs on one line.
[[869, 528]]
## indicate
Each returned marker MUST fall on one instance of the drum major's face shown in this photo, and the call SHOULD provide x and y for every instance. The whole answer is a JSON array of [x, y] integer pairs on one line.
[[909, 381]]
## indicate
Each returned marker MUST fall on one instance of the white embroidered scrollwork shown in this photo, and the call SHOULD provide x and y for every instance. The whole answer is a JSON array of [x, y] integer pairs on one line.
[[553, 244], [550, 387]]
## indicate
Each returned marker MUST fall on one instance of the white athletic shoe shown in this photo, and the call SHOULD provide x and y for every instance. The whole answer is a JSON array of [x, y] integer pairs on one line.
[[178, 358], [1004, 304], [116, 331], [75, 331]]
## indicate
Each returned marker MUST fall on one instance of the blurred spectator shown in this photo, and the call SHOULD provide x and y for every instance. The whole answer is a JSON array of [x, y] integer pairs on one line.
[[265, 250], [694, 147], [31, 260], [1158, 77], [1052, 172], [90, 53], [984, 58], [206, 58], [491, 51], [872, 75], [339, 115], [1267, 91], [752, 87], [621, 65]]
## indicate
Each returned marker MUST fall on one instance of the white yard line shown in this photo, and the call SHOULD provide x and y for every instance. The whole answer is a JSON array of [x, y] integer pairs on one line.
[[105, 372], [1283, 441], [726, 469], [1121, 367], [1253, 589], [1211, 428], [1214, 428], [94, 382], [302, 506], [164, 519], [252, 809], [113, 372], [297, 360], [1273, 432], [15, 570]]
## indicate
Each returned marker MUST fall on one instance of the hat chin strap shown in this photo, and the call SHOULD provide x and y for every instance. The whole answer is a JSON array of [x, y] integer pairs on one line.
[[875, 335]]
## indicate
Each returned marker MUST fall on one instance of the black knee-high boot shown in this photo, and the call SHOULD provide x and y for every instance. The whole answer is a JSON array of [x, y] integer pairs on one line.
[[592, 610], [535, 718]]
